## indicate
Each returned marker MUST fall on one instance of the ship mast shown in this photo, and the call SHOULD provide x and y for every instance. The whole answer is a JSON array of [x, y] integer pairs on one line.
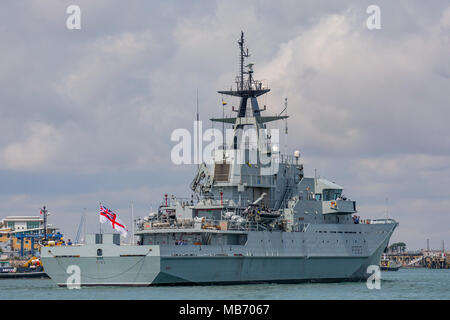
[[247, 89], [243, 55]]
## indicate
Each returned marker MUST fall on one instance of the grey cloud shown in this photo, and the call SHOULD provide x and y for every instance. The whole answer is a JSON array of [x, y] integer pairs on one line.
[[96, 107]]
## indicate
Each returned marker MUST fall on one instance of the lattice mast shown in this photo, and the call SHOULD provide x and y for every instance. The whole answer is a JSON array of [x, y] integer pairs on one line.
[[247, 89]]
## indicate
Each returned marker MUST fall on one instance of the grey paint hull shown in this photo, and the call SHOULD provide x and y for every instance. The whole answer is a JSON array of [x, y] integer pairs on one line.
[[219, 270], [152, 265]]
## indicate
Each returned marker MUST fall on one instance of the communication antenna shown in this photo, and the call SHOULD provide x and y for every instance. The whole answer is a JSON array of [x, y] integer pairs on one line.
[[244, 54], [285, 123], [315, 180], [386, 210], [132, 224], [223, 132], [198, 136]]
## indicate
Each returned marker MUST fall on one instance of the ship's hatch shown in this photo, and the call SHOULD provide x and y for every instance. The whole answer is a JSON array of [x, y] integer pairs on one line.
[[221, 172]]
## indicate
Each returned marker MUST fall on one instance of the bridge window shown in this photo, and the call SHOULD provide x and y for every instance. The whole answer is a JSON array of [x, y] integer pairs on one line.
[[331, 194]]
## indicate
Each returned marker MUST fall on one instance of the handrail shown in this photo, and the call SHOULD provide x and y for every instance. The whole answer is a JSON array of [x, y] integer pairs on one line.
[[206, 224], [381, 221]]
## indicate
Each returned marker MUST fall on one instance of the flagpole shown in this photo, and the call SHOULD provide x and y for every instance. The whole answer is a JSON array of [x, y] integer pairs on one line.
[[132, 224], [223, 130], [198, 136], [99, 223], [44, 211]]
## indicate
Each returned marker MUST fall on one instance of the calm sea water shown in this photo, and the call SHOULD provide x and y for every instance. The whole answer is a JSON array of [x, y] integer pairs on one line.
[[403, 284]]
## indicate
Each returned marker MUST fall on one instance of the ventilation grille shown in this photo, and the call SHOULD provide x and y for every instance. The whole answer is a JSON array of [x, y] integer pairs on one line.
[[221, 172]]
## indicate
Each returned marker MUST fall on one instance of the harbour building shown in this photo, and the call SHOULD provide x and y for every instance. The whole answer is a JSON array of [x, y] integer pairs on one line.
[[15, 228]]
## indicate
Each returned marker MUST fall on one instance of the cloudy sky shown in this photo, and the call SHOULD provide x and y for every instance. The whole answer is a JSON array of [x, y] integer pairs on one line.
[[86, 115]]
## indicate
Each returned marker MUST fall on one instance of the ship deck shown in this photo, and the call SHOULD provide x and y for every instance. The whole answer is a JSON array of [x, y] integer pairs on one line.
[[189, 230]]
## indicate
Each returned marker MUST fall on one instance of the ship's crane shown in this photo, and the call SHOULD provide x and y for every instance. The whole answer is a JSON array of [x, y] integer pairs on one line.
[[32, 238], [202, 181]]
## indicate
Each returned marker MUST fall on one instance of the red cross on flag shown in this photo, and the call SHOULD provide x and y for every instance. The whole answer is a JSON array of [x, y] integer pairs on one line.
[[107, 215]]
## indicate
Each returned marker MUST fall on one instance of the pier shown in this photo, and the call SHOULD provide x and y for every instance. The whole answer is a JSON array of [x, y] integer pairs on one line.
[[422, 259]]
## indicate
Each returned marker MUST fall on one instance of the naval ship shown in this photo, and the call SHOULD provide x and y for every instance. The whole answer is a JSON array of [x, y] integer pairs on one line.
[[252, 217]]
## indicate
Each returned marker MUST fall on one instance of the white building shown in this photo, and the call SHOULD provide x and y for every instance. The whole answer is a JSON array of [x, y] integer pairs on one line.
[[25, 225]]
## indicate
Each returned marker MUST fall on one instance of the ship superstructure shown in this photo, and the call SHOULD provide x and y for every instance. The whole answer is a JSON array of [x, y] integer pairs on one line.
[[253, 217]]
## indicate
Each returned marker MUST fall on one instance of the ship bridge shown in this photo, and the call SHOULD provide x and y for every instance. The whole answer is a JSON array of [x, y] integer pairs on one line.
[[247, 167]]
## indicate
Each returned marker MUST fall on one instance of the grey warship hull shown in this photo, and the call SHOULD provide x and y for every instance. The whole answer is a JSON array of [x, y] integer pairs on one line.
[[265, 258]]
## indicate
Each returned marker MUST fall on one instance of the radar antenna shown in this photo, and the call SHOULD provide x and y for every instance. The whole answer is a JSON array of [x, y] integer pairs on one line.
[[244, 54], [285, 110], [248, 89]]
